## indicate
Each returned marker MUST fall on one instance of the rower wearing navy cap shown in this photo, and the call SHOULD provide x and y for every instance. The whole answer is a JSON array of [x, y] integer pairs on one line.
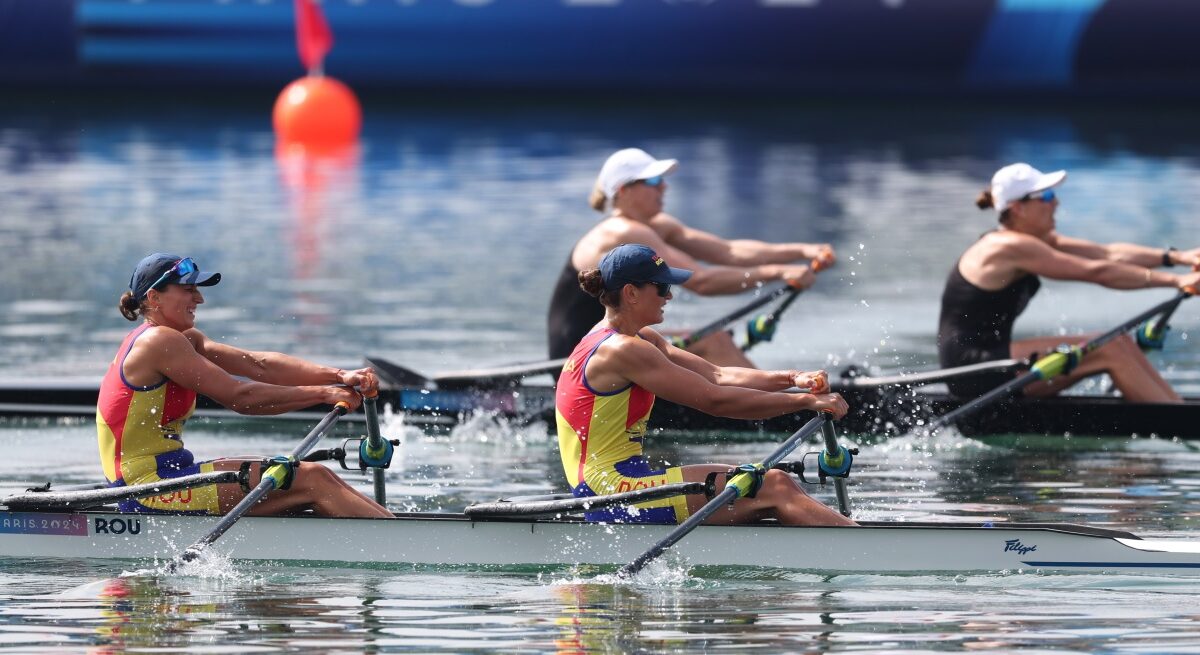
[[993, 281], [609, 383], [633, 184], [150, 391]]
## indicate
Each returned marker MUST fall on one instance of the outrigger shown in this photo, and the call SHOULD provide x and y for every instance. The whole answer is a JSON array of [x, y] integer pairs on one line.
[[547, 532]]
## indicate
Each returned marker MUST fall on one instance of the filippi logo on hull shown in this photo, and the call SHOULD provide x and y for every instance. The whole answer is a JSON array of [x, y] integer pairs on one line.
[[1015, 546]]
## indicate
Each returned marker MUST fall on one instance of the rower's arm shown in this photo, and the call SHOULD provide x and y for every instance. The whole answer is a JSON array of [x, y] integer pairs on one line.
[[731, 376], [174, 356], [714, 280], [1036, 256], [648, 367], [734, 252], [1124, 253], [278, 368]]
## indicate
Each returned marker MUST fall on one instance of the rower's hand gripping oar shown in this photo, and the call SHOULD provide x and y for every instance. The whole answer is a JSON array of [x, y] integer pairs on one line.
[[1062, 360], [275, 476], [762, 327], [740, 485], [769, 321], [1152, 335]]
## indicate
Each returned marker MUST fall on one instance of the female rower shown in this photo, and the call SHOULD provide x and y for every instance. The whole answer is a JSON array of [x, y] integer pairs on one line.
[[634, 183], [611, 379], [995, 278], [150, 391]]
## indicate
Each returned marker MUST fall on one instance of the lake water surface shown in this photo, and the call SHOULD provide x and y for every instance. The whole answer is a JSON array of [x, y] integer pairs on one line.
[[436, 243]]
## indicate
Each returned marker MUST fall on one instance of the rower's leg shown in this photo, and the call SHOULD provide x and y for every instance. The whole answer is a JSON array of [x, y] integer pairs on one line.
[[1132, 373], [315, 487], [719, 349], [780, 498]]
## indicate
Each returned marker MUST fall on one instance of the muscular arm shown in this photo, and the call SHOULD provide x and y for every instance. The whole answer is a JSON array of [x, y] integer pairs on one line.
[[731, 252], [269, 367], [640, 362], [1124, 253], [718, 280], [171, 354], [731, 376], [1036, 256]]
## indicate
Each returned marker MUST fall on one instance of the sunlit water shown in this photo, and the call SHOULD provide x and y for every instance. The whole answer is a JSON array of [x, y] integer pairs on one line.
[[437, 245]]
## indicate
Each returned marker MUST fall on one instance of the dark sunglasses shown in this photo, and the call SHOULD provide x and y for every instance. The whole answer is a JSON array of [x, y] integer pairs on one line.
[[1044, 196], [664, 289], [182, 268]]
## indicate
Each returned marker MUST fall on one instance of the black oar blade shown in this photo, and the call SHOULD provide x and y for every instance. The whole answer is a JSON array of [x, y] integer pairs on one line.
[[394, 375]]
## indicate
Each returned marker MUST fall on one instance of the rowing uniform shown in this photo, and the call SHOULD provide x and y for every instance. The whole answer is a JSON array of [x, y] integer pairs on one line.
[[573, 313], [140, 436], [976, 326], [600, 440]]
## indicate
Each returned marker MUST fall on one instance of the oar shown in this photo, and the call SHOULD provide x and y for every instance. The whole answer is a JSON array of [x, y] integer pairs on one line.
[[1055, 363], [721, 323], [737, 487], [762, 328], [272, 477], [514, 507], [375, 451], [850, 381]]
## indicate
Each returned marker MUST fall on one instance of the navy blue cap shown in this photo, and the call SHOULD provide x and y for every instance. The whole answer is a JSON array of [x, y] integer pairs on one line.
[[151, 270], [632, 263]]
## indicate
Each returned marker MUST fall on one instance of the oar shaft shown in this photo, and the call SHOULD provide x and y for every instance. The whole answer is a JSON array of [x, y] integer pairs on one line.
[[724, 322], [732, 490], [264, 486], [833, 450], [375, 443]]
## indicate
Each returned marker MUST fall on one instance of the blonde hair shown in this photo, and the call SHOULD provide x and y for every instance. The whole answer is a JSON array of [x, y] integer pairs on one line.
[[598, 200]]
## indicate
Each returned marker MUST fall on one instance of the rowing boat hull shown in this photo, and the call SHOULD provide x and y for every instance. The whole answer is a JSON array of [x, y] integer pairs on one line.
[[457, 540], [874, 411]]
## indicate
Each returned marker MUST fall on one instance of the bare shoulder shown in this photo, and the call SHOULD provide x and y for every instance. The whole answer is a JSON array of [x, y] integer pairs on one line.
[[663, 221]]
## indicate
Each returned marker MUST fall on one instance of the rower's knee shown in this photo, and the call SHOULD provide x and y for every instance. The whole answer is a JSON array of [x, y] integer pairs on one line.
[[778, 484], [311, 475]]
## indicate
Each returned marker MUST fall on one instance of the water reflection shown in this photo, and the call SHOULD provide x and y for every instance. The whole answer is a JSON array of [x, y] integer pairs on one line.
[[435, 244]]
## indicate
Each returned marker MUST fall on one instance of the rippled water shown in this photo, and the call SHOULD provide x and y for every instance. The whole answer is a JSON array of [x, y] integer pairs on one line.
[[436, 245]]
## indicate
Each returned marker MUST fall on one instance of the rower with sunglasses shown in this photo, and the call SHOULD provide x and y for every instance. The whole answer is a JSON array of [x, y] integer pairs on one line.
[[633, 184], [150, 390], [609, 383], [993, 281]]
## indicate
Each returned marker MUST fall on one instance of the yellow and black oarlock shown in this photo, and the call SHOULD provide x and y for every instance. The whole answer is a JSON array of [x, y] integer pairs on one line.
[[1063, 360], [742, 484], [276, 475]]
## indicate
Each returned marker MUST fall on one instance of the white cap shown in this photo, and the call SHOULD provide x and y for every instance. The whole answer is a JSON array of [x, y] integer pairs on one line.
[[1016, 181], [628, 165]]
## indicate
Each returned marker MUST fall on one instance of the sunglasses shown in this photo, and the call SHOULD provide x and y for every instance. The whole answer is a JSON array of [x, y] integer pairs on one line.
[[182, 268], [664, 289], [657, 180], [1044, 196]]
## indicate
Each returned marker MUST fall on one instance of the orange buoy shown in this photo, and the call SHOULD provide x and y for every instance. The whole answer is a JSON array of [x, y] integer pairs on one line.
[[317, 110]]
